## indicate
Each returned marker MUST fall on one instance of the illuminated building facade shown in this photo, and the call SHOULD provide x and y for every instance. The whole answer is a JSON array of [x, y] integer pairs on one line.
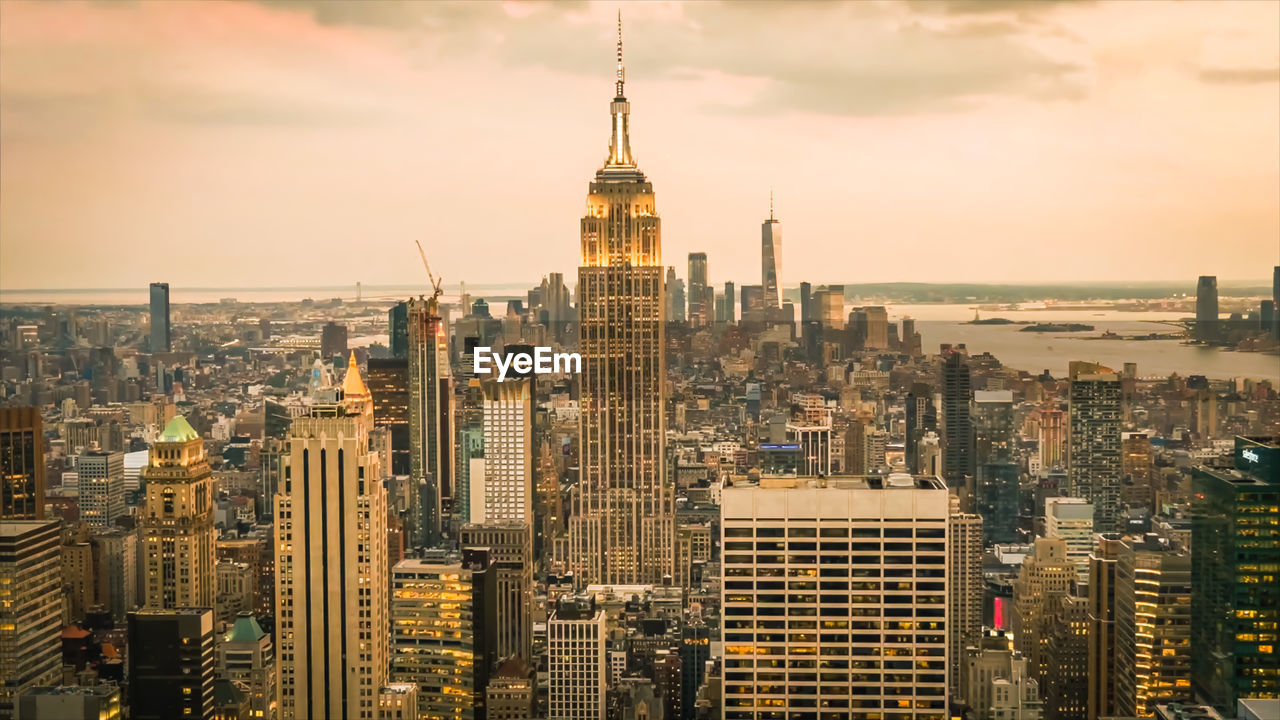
[[178, 535], [622, 527], [21, 464], [835, 597], [331, 561]]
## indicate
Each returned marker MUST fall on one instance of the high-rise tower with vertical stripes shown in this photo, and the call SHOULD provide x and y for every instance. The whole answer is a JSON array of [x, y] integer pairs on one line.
[[622, 525]]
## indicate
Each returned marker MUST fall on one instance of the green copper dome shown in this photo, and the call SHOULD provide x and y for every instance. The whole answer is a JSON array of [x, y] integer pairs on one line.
[[179, 430]]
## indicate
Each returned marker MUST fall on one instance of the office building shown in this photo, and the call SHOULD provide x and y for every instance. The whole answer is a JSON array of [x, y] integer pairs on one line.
[[507, 491], [622, 527], [957, 423], [176, 521], [397, 332], [1093, 454], [171, 664], [1102, 627], [333, 340], [752, 304], [995, 486], [511, 563], [21, 464], [830, 307], [806, 303], [730, 303], [100, 478], [675, 297], [1234, 612], [966, 592], [246, 657], [877, 319], [388, 382], [331, 561], [71, 702], [848, 574], [770, 261], [1152, 627], [699, 313], [1207, 325], [1053, 438], [431, 446], [1045, 578], [922, 418], [1072, 520], [161, 338], [439, 636], [1065, 681], [115, 559], [30, 608], [576, 677]]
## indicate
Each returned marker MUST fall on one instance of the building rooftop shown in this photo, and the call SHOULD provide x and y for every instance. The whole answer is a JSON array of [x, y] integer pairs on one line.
[[179, 430]]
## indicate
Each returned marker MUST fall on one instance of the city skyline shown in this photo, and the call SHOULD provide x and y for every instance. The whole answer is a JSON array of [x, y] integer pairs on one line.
[[295, 133]]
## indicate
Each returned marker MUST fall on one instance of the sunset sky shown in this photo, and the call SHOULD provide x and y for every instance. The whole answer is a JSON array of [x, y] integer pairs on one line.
[[308, 143]]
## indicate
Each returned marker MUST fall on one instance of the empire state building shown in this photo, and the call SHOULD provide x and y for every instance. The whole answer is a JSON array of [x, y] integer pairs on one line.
[[622, 526]]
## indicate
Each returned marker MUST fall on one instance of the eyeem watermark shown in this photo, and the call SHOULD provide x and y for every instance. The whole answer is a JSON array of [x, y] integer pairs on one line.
[[541, 362]]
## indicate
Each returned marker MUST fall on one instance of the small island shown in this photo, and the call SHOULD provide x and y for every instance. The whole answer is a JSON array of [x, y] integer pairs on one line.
[[993, 321], [1057, 327]]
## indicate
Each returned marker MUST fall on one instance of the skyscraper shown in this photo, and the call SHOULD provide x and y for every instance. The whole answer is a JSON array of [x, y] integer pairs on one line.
[[771, 260], [388, 382], [438, 634], [699, 313], [100, 481], [507, 490], [171, 664], [1072, 520], [675, 296], [161, 339], [1206, 327], [1102, 627], [957, 424], [511, 560], [1153, 626], [966, 590], [331, 561], [1234, 552], [177, 522], [431, 446], [576, 680], [1093, 450], [806, 302], [30, 608], [995, 486], [333, 340], [835, 591], [398, 330], [1046, 577], [730, 311], [21, 464], [622, 527], [922, 418]]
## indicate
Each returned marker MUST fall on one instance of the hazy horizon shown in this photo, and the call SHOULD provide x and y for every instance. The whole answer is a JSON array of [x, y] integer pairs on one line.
[[232, 144]]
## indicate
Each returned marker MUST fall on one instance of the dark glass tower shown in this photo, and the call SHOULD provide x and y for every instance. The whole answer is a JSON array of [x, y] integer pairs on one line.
[[957, 428], [1235, 599], [398, 329], [161, 340], [1207, 308], [21, 464]]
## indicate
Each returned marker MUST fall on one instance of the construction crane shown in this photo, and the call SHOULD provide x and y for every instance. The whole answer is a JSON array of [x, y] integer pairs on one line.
[[435, 284]]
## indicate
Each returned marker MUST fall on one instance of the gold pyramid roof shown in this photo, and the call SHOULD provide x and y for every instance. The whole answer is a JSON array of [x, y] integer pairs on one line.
[[353, 387]]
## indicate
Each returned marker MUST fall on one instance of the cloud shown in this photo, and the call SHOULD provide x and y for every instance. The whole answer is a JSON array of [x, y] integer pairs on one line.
[[1240, 76]]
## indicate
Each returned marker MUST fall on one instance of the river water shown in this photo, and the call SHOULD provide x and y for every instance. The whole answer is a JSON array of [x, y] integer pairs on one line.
[[937, 324]]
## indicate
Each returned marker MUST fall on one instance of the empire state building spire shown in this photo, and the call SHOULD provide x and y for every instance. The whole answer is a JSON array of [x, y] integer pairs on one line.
[[620, 109]]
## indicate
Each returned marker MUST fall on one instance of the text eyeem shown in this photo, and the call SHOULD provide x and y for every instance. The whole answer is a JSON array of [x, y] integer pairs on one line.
[[543, 361]]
